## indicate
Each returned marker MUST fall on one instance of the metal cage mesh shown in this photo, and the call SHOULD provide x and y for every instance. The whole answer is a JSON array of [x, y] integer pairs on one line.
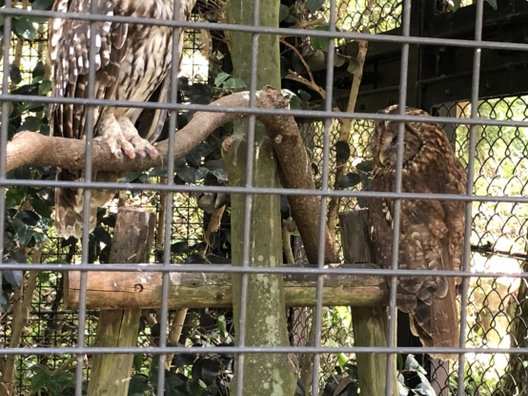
[[497, 306]]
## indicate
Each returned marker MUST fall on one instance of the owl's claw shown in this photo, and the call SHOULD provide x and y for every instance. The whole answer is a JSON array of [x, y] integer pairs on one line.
[[122, 137]]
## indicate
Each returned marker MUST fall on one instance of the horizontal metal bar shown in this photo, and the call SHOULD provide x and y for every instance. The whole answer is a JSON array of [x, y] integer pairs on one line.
[[234, 269], [397, 39], [254, 349], [259, 190], [262, 111]]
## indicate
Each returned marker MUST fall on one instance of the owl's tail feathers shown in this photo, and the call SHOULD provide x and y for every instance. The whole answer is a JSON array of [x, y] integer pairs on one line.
[[69, 206], [438, 324]]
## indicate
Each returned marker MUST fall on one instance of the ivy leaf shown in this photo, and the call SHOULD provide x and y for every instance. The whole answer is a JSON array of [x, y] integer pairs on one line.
[[30, 124], [206, 370], [493, 4], [221, 78], [187, 174], [220, 174], [24, 28], [235, 84], [342, 151], [314, 5], [349, 180], [201, 172], [320, 43], [42, 4], [13, 277], [284, 12], [14, 74], [44, 87]]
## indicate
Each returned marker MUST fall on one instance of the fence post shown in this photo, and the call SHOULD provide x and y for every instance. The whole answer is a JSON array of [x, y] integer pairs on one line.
[[369, 323], [132, 242]]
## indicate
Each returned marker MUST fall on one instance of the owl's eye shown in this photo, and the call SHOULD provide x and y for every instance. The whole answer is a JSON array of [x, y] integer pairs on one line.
[[394, 140]]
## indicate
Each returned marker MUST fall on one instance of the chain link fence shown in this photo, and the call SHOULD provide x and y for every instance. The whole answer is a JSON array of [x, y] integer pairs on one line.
[[496, 310]]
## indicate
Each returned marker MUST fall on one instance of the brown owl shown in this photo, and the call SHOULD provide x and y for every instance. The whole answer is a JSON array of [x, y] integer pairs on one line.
[[431, 231]]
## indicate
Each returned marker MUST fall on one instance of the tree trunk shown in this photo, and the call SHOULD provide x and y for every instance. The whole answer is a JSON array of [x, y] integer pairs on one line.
[[265, 320]]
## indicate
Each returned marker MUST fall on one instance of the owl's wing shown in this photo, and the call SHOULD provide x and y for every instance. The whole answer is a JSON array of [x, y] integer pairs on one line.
[[429, 300], [69, 53]]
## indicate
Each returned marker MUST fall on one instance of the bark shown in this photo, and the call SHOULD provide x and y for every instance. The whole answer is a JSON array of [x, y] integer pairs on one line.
[[21, 306], [369, 323], [265, 321], [110, 374], [200, 290]]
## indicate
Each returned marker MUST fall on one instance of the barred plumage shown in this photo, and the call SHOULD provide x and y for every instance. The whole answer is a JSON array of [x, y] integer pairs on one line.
[[431, 231], [131, 62]]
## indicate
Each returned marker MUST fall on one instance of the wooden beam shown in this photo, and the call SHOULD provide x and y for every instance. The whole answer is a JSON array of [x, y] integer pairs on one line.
[[112, 290]]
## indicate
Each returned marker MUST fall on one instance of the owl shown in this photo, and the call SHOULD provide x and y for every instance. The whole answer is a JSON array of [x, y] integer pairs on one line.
[[131, 62], [431, 234]]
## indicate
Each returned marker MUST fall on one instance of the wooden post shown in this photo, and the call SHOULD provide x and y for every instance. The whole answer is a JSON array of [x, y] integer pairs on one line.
[[132, 242], [369, 323]]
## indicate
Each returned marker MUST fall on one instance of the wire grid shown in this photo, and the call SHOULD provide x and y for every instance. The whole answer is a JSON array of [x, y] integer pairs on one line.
[[491, 294]]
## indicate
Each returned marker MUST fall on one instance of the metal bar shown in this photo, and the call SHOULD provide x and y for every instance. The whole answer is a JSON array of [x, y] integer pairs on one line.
[[430, 41], [216, 268], [254, 349], [468, 226]]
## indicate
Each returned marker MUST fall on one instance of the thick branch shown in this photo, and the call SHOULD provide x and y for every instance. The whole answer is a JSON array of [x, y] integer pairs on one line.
[[297, 173], [32, 148]]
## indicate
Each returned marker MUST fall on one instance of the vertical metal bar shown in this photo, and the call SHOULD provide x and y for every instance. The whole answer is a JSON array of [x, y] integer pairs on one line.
[[466, 261], [318, 309], [248, 204], [404, 67], [89, 134], [5, 124], [167, 220]]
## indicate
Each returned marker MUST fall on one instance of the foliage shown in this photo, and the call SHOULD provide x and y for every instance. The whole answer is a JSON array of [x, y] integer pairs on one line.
[[54, 383]]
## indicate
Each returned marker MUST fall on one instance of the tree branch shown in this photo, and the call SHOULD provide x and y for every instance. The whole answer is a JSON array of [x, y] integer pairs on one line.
[[31, 148]]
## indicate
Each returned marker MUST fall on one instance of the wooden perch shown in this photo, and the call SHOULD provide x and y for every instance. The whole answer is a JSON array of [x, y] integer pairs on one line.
[[197, 290]]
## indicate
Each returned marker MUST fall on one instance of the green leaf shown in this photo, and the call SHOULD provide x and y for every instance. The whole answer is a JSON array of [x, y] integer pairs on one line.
[[30, 124], [187, 174], [220, 174], [456, 4], [14, 197], [39, 70], [40, 377], [221, 78], [314, 5], [493, 4], [44, 87], [14, 74], [41, 207], [349, 180], [284, 12], [320, 43], [235, 84], [24, 28], [296, 103], [42, 4], [206, 370]]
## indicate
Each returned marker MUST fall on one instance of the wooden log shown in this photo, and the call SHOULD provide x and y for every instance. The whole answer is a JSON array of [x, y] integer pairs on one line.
[[132, 242], [369, 323], [110, 290]]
